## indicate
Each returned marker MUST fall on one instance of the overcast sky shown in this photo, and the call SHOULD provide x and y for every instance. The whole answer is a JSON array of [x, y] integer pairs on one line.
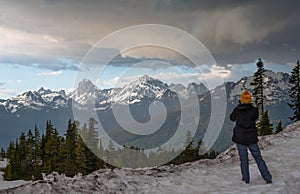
[[47, 39]]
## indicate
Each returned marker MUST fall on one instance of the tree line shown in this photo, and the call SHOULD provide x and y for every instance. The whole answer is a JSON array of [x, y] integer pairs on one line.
[[32, 154], [80, 151]]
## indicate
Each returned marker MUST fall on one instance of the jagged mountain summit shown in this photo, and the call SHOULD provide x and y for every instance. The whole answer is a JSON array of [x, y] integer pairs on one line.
[[220, 175], [36, 100], [145, 86]]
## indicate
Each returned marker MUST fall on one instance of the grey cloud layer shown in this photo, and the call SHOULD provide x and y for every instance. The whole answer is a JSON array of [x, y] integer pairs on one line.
[[234, 31]]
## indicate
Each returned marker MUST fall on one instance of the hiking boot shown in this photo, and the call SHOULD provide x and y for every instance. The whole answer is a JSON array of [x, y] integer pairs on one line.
[[269, 181], [246, 181]]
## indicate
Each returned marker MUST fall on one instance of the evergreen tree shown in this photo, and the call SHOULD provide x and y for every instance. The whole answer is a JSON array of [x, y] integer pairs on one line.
[[188, 153], [9, 170], [110, 153], [258, 86], [37, 154], [70, 147], [101, 154], [43, 150], [22, 152], [92, 142], [294, 92], [29, 160], [84, 132], [92, 136], [80, 153], [197, 150], [52, 148], [279, 127], [17, 164], [265, 127]]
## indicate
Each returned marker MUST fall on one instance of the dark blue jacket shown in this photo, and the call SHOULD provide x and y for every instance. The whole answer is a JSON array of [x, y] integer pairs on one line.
[[245, 131]]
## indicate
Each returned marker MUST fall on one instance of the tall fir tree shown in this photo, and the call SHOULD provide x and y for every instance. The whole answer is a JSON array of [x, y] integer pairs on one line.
[[37, 171], [22, 152], [92, 142], [258, 93], [110, 153], [43, 154], [92, 136], [17, 164], [258, 86], [265, 127], [52, 149], [84, 132], [29, 160], [188, 153], [294, 92], [70, 148], [10, 154], [80, 153]]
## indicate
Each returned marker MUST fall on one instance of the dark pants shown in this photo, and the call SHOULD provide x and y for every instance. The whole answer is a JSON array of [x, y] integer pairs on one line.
[[243, 153]]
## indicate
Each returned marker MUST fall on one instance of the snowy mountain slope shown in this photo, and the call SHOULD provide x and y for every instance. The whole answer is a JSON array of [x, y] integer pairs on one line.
[[276, 87], [145, 86], [221, 175], [36, 100]]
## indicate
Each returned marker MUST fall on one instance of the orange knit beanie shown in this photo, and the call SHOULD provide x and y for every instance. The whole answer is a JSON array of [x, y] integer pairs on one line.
[[246, 97]]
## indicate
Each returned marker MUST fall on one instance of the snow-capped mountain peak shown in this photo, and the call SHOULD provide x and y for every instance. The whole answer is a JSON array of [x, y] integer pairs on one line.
[[42, 91], [28, 99], [148, 82], [145, 86], [86, 86], [36, 100]]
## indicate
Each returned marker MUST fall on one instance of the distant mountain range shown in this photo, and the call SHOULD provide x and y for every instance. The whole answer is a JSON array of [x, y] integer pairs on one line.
[[23, 111]]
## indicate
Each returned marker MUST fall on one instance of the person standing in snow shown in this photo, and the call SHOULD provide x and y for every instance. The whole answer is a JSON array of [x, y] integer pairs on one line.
[[245, 137]]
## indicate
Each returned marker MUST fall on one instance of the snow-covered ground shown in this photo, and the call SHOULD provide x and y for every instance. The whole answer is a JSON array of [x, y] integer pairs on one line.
[[4, 185], [3, 163], [221, 175]]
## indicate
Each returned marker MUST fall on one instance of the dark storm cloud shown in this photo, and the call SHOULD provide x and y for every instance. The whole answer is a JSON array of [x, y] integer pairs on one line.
[[243, 32], [233, 31]]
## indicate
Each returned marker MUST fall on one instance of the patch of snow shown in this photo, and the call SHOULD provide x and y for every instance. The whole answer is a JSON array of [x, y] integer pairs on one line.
[[49, 97], [3, 163], [6, 185], [12, 108], [134, 101]]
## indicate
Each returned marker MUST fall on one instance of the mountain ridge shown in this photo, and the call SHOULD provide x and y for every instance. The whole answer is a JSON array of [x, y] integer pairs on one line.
[[36, 107]]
